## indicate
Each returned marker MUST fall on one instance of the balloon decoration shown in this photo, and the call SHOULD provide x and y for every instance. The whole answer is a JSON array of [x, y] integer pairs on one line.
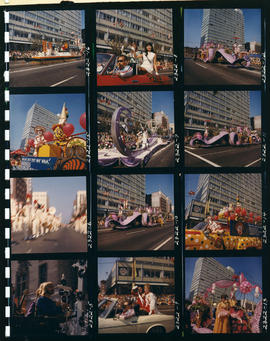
[[250, 220], [83, 121], [251, 214], [48, 136], [245, 287], [237, 283], [31, 142], [68, 129]]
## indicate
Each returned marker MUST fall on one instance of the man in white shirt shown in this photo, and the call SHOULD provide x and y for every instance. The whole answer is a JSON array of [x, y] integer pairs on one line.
[[150, 300]]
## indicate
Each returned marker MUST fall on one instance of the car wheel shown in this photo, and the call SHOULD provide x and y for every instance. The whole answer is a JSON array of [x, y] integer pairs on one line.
[[112, 225], [157, 331]]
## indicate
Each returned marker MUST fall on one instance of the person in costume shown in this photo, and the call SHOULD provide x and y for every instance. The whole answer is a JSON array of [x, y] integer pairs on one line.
[[222, 322], [39, 139]]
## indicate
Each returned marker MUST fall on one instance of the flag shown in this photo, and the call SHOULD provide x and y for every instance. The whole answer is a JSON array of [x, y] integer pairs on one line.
[[207, 207]]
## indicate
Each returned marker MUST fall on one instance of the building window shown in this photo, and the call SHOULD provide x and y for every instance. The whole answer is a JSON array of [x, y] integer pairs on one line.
[[43, 273]]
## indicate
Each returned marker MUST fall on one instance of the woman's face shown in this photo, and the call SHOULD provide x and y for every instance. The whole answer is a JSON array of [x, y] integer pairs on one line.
[[148, 48]]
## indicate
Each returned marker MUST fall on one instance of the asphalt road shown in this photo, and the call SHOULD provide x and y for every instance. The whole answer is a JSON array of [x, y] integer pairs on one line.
[[63, 240], [228, 156], [69, 73], [163, 158], [139, 238], [199, 73]]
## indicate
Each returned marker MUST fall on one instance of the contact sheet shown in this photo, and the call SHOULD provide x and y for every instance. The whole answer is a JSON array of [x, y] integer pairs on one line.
[[135, 170]]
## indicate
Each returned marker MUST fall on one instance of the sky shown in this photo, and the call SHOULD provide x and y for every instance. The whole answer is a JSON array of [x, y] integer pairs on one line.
[[193, 20], [83, 21], [105, 265], [163, 100], [191, 182], [255, 103], [20, 104], [61, 192], [162, 182], [250, 266]]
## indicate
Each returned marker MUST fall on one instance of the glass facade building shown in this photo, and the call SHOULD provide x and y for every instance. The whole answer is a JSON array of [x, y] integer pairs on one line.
[[217, 109], [139, 103], [222, 189], [28, 27], [114, 191], [136, 25], [223, 26]]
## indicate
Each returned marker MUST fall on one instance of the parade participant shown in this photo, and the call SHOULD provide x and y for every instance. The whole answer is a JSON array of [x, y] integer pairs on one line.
[[239, 320], [44, 308], [27, 214], [139, 300], [134, 60], [150, 300], [222, 322], [127, 312], [39, 139], [123, 69], [36, 219], [149, 60]]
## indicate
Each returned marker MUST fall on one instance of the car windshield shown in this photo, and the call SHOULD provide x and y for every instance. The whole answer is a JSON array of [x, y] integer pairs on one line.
[[102, 61], [104, 307]]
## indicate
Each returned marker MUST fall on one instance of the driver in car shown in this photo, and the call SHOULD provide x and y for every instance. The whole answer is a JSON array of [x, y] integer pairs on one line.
[[122, 69]]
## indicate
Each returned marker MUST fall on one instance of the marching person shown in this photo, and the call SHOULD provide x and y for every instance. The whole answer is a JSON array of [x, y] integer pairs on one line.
[[27, 213], [150, 300]]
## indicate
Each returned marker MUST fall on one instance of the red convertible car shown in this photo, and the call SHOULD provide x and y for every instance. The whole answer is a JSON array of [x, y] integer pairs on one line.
[[106, 62]]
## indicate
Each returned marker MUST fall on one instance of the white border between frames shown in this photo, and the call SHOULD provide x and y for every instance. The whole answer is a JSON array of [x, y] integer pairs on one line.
[[7, 176]]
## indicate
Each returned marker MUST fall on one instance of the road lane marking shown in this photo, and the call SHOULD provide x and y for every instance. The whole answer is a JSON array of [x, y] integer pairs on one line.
[[205, 67], [65, 80], [250, 164], [254, 71], [165, 242], [203, 159], [191, 148], [42, 67], [135, 232]]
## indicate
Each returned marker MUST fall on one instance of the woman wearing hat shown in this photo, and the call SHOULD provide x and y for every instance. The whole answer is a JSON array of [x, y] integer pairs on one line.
[[39, 139]]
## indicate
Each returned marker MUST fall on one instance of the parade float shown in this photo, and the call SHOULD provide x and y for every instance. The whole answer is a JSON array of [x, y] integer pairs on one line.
[[49, 55], [107, 62], [212, 53], [60, 150], [248, 298], [233, 137], [128, 148], [136, 219], [232, 229]]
